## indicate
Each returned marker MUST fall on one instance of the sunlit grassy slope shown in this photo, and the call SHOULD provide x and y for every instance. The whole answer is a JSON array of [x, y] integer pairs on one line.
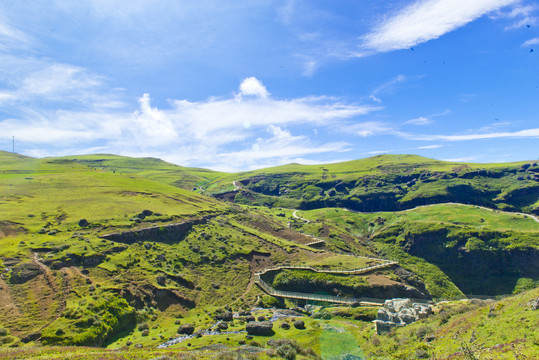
[[387, 183], [90, 290], [151, 168], [478, 250], [376, 165], [37, 191]]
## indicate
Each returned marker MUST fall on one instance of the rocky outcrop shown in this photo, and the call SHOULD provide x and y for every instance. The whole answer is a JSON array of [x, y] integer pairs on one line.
[[264, 328], [186, 329], [399, 312], [25, 272], [170, 233]]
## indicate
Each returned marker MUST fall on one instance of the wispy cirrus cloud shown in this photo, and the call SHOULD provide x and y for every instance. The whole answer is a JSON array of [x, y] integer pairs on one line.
[[423, 21], [404, 150], [534, 41], [527, 133], [426, 120], [419, 121], [519, 16], [11, 37]]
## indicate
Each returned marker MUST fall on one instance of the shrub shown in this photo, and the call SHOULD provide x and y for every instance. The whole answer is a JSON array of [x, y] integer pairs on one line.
[[143, 326], [286, 351]]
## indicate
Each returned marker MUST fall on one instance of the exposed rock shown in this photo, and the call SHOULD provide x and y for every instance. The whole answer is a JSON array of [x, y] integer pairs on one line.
[[535, 304], [161, 257], [83, 222], [186, 329], [227, 316], [25, 272], [170, 233], [299, 324], [161, 280], [260, 328], [399, 312], [223, 326], [250, 318], [285, 325]]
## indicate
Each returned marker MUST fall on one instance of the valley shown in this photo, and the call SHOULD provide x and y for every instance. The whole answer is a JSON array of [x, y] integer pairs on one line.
[[107, 257]]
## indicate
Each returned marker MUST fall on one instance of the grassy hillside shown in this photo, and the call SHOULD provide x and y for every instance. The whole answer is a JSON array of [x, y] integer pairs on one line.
[[151, 168], [387, 183], [110, 251], [449, 246], [466, 330]]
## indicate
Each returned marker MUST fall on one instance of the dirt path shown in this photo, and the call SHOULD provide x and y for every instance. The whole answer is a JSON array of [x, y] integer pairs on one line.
[[295, 215], [66, 287]]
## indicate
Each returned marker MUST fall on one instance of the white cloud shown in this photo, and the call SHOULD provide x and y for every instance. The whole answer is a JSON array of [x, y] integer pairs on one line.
[[369, 128], [425, 20], [534, 41], [11, 37], [281, 148], [519, 15], [528, 133], [429, 147], [378, 152], [226, 133], [419, 121], [151, 126], [461, 159], [252, 86]]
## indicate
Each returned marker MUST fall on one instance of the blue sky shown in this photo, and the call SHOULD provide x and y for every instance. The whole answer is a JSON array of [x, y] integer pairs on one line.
[[241, 85]]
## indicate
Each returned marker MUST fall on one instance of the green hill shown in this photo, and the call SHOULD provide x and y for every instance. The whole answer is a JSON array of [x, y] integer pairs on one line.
[[387, 183], [111, 251]]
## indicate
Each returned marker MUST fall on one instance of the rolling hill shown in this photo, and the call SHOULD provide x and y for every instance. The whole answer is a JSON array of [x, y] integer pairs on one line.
[[111, 251]]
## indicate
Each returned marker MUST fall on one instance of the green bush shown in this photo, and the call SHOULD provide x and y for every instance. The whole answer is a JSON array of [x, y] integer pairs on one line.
[[99, 321], [524, 284]]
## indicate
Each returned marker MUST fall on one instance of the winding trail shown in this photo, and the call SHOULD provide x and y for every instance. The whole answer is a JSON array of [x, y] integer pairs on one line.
[[295, 215], [327, 298]]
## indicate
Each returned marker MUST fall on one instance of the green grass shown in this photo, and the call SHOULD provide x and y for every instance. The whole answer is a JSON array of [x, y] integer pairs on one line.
[[187, 278]]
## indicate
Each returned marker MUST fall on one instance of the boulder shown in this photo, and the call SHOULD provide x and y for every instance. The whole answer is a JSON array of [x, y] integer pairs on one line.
[[264, 328], [227, 316], [186, 329], [299, 324], [399, 312], [83, 222], [25, 272]]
